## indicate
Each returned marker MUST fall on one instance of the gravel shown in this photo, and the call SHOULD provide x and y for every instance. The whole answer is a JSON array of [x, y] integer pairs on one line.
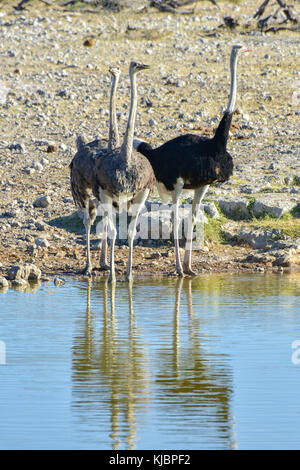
[[52, 87]]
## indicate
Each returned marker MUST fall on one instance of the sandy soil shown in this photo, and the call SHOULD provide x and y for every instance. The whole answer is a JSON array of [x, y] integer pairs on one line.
[[53, 86]]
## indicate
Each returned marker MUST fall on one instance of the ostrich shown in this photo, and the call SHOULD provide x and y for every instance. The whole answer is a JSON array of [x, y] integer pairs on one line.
[[193, 162], [124, 176], [82, 167]]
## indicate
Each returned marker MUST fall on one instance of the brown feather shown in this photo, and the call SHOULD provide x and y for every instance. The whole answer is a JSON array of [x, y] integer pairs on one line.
[[114, 175]]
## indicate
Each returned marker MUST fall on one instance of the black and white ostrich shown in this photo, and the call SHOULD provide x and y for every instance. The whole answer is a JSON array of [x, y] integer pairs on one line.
[[193, 162], [81, 172], [124, 177]]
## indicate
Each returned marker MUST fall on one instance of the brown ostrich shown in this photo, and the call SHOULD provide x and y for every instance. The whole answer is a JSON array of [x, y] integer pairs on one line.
[[82, 168], [124, 177]]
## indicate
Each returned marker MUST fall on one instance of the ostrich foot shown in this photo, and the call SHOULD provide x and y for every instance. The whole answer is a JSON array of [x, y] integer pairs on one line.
[[87, 271], [187, 270], [104, 267], [128, 277], [112, 277], [179, 271]]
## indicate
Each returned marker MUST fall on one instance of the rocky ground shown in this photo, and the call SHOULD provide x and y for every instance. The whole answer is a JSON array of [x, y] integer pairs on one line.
[[54, 84]]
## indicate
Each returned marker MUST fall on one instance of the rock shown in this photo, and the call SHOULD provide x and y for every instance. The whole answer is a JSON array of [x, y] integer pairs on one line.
[[29, 171], [282, 260], [58, 281], [248, 189], [271, 205], [28, 272], [17, 147], [42, 202], [89, 42], [260, 258], [42, 242], [258, 239], [61, 94], [40, 226], [154, 225], [11, 213], [51, 148], [180, 83], [285, 259], [260, 269], [3, 282], [155, 255], [236, 209], [211, 210], [19, 283], [288, 180], [37, 166], [287, 255], [63, 147]]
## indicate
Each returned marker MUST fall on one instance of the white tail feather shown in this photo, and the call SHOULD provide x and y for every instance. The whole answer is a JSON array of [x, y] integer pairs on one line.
[[136, 143]]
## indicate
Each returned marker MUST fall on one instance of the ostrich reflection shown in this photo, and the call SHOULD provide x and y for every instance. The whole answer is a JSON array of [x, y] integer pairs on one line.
[[152, 376], [113, 366], [193, 384]]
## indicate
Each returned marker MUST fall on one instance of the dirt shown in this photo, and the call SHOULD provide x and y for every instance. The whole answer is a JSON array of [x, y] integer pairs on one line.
[[55, 83]]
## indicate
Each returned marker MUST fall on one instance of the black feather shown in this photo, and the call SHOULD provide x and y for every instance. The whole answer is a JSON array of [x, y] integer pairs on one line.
[[196, 159]]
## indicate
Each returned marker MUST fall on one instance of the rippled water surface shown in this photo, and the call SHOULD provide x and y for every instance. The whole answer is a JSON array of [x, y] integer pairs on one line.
[[208, 363]]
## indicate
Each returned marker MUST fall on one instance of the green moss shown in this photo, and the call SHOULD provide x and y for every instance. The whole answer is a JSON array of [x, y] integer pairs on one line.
[[296, 211], [238, 181], [213, 230], [251, 202], [288, 225]]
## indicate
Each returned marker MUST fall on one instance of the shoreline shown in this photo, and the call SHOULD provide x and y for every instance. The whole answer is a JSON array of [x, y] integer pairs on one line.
[[144, 266]]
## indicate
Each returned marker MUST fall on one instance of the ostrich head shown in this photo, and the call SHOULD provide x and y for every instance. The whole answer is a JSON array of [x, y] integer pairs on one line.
[[137, 66], [115, 70], [239, 48]]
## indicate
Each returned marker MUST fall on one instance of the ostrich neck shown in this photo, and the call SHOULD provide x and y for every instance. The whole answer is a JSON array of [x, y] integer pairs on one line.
[[113, 141], [222, 132], [232, 96], [128, 138]]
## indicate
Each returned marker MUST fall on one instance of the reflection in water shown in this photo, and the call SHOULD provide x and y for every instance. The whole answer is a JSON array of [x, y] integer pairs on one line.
[[196, 382], [166, 364], [124, 363], [247, 286], [122, 371], [116, 374]]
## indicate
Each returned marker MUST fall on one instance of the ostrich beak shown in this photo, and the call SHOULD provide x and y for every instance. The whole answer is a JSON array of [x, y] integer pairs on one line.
[[246, 49], [143, 66]]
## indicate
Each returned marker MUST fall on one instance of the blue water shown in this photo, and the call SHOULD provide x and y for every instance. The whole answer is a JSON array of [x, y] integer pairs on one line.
[[206, 363]]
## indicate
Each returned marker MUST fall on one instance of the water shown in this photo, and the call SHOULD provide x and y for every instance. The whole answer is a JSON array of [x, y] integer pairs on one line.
[[173, 364]]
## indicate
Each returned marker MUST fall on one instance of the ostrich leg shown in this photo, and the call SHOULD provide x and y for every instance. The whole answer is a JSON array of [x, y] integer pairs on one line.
[[112, 236], [138, 203], [110, 217], [87, 223], [187, 260], [103, 256], [175, 199]]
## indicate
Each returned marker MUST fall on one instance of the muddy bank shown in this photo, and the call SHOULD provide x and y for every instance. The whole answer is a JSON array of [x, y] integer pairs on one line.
[[152, 261]]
